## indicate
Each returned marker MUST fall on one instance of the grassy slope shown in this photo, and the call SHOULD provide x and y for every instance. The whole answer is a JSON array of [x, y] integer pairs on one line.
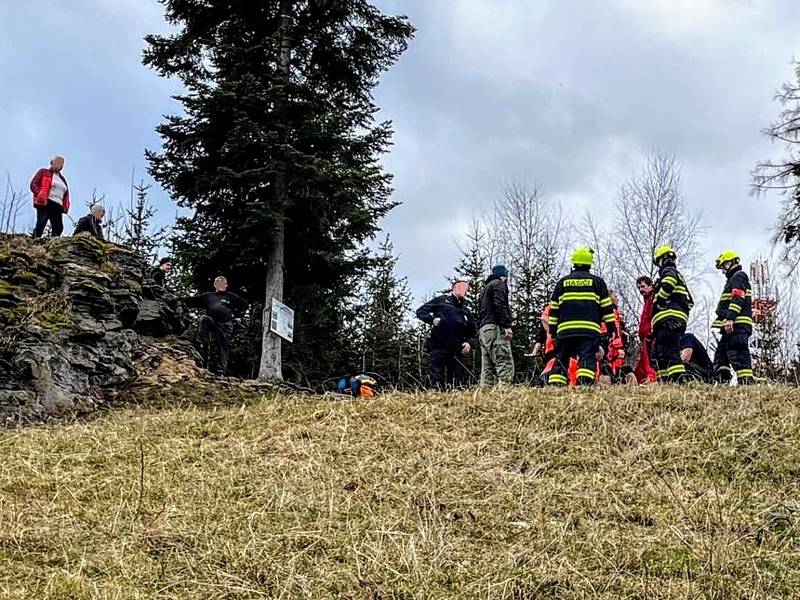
[[648, 493]]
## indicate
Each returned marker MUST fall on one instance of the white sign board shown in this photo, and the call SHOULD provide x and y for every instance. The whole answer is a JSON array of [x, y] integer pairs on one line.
[[281, 321]]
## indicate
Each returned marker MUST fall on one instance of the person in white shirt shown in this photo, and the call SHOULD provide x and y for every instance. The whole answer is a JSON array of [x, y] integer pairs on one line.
[[50, 198]]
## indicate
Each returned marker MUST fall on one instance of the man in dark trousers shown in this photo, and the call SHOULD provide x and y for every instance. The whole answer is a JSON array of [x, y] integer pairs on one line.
[[579, 306], [220, 306], [92, 223], [451, 338], [159, 274], [50, 197], [672, 302], [735, 322], [495, 333]]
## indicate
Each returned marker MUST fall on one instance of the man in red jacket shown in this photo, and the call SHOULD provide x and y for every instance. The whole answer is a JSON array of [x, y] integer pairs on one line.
[[50, 198], [644, 371]]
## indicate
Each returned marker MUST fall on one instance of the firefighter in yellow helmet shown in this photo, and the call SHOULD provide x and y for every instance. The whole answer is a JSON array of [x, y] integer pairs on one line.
[[578, 305], [735, 322], [671, 305]]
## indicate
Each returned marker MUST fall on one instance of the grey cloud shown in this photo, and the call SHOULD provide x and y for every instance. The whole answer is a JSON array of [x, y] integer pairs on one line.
[[571, 95], [566, 93]]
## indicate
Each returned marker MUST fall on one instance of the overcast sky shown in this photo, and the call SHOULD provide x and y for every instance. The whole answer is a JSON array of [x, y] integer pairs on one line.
[[565, 93]]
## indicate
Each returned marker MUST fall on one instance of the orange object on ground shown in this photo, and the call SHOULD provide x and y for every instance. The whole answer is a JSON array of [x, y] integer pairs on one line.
[[550, 345]]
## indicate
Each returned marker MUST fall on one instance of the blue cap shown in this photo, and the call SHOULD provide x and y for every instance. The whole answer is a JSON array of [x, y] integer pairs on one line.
[[500, 271]]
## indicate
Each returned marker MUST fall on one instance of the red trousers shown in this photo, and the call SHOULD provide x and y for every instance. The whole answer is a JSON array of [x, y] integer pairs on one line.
[[644, 370]]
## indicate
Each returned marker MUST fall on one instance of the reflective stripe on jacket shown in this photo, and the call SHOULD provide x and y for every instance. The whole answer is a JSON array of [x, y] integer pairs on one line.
[[672, 300], [736, 302], [578, 306]]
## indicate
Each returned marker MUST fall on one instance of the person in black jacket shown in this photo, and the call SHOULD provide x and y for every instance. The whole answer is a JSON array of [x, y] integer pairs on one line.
[[696, 360], [159, 274], [452, 336], [92, 223], [672, 302], [495, 333], [735, 322], [579, 306], [220, 306]]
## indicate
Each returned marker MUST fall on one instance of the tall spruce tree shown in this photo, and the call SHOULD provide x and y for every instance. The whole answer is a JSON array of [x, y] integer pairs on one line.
[[277, 153]]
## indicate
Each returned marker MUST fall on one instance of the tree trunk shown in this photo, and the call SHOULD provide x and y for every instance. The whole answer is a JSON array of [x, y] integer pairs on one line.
[[271, 360]]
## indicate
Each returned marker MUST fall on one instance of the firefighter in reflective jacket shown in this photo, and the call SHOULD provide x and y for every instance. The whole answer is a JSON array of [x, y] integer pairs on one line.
[[671, 305], [578, 306], [735, 321]]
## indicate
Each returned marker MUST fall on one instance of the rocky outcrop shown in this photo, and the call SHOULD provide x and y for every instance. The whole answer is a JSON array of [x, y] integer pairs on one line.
[[79, 324]]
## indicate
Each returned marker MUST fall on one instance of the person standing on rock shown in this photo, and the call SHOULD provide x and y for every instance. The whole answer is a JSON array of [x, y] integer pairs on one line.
[[50, 198], [220, 306], [494, 333], [159, 274], [92, 223]]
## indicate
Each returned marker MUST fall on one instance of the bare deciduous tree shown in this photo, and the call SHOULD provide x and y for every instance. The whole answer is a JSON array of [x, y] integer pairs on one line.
[[783, 175], [12, 205], [527, 232], [652, 211]]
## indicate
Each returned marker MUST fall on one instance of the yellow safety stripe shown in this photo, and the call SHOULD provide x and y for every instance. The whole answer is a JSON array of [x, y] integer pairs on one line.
[[610, 318], [665, 314], [734, 307], [681, 291], [568, 296], [662, 294], [556, 378], [579, 325], [676, 369], [723, 368], [586, 373], [553, 304], [744, 373], [670, 279], [552, 321], [738, 321], [605, 302]]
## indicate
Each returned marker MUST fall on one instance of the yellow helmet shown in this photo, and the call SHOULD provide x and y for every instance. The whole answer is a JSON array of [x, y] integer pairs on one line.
[[727, 256], [583, 256], [663, 252]]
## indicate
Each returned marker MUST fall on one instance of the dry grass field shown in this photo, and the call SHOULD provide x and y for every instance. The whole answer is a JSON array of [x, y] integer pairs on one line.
[[516, 494]]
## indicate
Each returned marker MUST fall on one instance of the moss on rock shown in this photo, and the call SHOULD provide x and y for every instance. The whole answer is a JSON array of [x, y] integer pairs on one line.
[[53, 321], [25, 277]]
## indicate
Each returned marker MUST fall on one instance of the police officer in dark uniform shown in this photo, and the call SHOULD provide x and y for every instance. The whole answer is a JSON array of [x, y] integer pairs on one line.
[[452, 336]]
